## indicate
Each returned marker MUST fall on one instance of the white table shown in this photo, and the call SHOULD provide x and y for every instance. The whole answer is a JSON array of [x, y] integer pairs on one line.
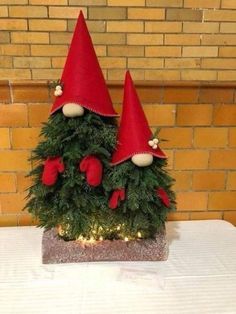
[[199, 276]]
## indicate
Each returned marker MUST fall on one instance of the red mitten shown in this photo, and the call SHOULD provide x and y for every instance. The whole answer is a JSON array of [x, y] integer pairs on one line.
[[161, 193], [117, 195], [93, 168], [52, 166]]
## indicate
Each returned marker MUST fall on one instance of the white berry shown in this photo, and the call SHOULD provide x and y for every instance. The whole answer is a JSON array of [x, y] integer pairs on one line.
[[150, 143], [58, 93], [154, 146], [155, 140], [58, 87]]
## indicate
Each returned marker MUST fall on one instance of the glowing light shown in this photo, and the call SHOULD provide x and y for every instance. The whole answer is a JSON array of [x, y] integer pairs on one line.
[[60, 230], [101, 238], [139, 234], [126, 239], [85, 241], [118, 228], [91, 240]]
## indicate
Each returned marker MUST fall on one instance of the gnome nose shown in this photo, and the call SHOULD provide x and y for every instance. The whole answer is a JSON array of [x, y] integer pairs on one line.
[[142, 160], [71, 110]]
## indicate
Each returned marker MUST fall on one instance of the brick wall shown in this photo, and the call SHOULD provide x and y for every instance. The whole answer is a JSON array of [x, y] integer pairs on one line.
[[198, 120], [156, 39], [176, 41]]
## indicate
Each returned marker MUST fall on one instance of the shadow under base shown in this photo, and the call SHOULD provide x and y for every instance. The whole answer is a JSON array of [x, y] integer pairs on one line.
[[55, 250]]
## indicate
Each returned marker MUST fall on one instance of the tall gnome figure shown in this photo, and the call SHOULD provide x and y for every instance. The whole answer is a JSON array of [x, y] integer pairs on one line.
[[75, 152], [139, 186]]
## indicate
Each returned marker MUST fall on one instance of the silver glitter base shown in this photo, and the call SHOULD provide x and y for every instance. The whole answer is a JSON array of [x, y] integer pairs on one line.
[[56, 250]]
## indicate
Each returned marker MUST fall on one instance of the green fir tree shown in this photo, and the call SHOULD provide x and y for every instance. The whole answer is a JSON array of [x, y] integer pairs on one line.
[[71, 203], [75, 151], [142, 213], [139, 185]]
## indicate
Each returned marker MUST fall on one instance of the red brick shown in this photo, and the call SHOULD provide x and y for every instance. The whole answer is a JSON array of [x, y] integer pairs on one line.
[[216, 95], [231, 180], [194, 115], [26, 220], [12, 202], [178, 216], [191, 159], [25, 138], [160, 114], [208, 180], [183, 15], [230, 216], [5, 138], [38, 113], [205, 215], [183, 180], [192, 201], [224, 114], [232, 137], [222, 200], [176, 137], [13, 115], [180, 95], [5, 96], [34, 93], [222, 159], [23, 181], [7, 182], [210, 137], [8, 220]]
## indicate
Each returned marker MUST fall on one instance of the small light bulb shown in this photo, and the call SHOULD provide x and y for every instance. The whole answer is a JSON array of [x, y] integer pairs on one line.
[[139, 234], [101, 238], [118, 228], [126, 239]]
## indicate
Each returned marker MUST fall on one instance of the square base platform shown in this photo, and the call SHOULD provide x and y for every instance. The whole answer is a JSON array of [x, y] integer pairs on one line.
[[56, 250]]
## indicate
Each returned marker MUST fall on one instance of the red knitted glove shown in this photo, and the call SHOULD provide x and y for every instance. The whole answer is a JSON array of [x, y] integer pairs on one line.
[[117, 195], [161, 193], [93, 168], [52, 166]]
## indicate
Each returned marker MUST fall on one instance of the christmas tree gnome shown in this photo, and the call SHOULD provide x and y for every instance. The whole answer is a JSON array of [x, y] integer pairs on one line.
[[139, 186], [75, 152]]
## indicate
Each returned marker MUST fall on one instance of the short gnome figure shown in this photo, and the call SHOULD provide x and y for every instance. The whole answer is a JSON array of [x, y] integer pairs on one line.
[[78, 141], [139, 186]]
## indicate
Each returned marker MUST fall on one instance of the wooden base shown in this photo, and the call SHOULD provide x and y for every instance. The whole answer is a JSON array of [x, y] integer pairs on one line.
[[56, 250]]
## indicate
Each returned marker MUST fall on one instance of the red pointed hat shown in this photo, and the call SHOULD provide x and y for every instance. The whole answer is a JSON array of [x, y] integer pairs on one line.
[[134, 132], [82, 79]]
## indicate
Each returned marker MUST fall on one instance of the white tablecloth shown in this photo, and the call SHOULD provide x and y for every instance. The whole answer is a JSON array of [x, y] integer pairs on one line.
[[199, 276]]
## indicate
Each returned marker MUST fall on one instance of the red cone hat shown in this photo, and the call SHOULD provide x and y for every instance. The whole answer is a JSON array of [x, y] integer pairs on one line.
[[82, 79], [134, 132]]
